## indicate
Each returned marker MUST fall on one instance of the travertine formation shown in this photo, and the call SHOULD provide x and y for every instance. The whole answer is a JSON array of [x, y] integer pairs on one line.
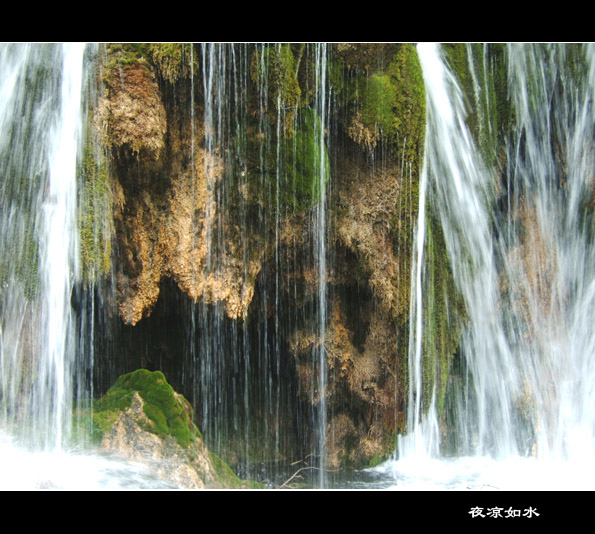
[[187, 211]]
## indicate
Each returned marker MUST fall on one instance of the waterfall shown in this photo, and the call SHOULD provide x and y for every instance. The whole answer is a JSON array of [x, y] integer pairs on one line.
[[59, 251], [460, 180], [275, 294], [520, 241], [422, 438], [40, 133], [245, 391], [553, 88]]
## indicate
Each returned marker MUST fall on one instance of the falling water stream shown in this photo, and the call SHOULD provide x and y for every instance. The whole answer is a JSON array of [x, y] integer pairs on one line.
[[41, 129], [525, 269], [47, 146]]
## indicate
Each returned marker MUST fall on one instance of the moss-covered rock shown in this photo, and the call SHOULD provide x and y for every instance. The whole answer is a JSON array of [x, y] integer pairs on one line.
[[273, 154], [142, 419], [274, 70], [132, 108], [125, 54], [307, 166], [174, 61], [169, 413], [289, 169], [444, 313], [481, 71], [383, 98], [95, 218]]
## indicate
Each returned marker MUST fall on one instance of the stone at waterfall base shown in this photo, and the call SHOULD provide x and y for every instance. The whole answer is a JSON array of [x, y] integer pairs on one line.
[[189, 468], [143, 420]]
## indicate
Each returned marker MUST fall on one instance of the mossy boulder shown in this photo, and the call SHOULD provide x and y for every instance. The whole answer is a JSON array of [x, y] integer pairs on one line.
[[142, 419], [169, 413]]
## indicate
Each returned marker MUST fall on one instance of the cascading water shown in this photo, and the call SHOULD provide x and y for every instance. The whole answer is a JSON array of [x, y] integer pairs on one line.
[[42, 90], [422, 439], [59, 252], [520, 243], [553, 93], [460, 180], [48, 150], [245, 394], [320, 246]]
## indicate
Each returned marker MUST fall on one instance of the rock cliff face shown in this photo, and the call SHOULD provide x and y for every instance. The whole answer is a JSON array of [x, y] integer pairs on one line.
[[214, 155]]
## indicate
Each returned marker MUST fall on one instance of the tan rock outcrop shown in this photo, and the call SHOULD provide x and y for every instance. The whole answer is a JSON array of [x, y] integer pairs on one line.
[[168, 218], [133, 110]]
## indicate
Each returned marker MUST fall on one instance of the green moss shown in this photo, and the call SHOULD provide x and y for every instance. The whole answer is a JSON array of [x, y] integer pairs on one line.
[[306, 161], [336, 75], [225, 475], [481, 71], [280, 139], [287, 170], [274, 71], [170, 413], [172, 60], [125, 54], [410, 104], [107, 409], [403, 223], [393, 102], [443, 311], [95, 213], [390, 98], [444, 314], [379, 98]]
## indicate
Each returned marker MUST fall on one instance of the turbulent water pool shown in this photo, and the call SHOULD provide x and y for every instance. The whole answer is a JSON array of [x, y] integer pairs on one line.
[[480, 473], [26, 470]]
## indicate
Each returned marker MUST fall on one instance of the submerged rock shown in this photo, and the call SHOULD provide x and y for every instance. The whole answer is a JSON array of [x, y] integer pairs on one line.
[[142, 419]]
